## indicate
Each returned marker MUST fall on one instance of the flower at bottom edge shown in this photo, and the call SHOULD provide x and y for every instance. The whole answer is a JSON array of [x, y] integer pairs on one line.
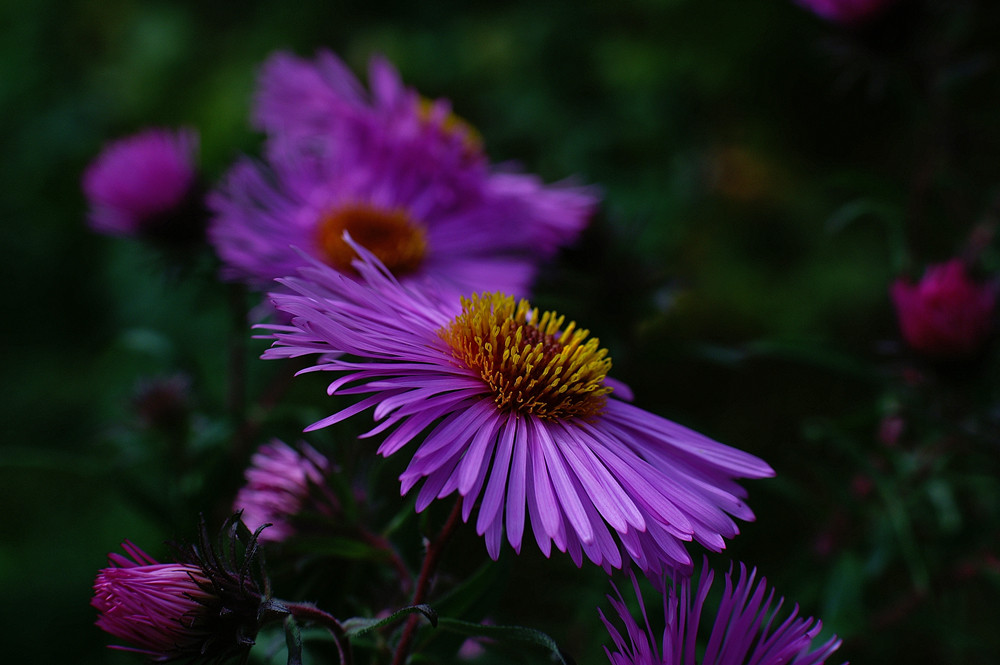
[[205, 608], [745, 629]]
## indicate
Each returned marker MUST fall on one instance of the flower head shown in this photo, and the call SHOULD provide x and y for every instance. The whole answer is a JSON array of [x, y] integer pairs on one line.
[[401, 174], [746, 631], [206, 607], [147, 185], [946, 315], [283, 483], [519, 411]]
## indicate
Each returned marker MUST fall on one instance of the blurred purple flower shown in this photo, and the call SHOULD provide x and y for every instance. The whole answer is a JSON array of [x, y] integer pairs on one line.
[[946, 315], [282, 483], [205, 608], [519, 411], [741, 633], [147, 185], [405, 178], [846, 11], [312, 98]]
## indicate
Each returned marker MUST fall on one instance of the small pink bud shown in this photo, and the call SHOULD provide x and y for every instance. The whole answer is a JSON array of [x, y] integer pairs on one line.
[[946, 315]]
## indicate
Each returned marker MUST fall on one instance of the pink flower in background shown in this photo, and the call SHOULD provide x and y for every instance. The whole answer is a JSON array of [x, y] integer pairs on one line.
[[518, 411], [747, 629], [146, 185], [846, 11], [281, 483], [946, 314]]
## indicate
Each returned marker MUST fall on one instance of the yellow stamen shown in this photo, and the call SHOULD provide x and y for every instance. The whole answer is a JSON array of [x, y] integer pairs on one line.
[[531, 363]]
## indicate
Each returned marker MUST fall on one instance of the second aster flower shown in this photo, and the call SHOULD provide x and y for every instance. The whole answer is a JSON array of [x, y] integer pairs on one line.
[[519, 411], [395, 174]]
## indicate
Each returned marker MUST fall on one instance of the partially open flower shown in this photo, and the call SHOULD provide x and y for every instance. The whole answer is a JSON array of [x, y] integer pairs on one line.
[[206, 607], [284, 484], [946, 315], [147, 185]]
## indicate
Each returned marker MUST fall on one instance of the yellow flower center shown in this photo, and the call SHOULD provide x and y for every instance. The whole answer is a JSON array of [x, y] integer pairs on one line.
[[391, 235], [531, 363]]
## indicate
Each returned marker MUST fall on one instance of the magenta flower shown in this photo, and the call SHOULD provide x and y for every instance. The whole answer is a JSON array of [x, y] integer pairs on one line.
[[160, 607], [518, 411], [205, 608], [746, 631], [282, 483], [405, 178], [846, 11], [946, 315], [147, 185]]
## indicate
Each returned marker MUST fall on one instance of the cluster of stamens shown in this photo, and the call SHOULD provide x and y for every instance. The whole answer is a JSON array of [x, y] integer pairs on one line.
[[389, 234], [530, 362]]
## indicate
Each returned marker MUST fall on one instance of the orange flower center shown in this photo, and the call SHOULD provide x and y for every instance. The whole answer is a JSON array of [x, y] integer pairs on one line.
[[391, 235], [532, 364]]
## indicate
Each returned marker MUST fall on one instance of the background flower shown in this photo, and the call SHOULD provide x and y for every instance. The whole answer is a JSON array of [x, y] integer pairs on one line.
[[946, 314], [282, 483], [147, 185]]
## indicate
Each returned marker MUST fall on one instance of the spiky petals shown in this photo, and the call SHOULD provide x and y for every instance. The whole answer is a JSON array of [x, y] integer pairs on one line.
[[747, 629], [282, 484], [613, 483]]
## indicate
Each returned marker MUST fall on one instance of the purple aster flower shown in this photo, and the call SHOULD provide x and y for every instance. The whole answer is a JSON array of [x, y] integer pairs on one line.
[[846, 11], [205, 608], [147, 185], [745, 631], [282, 484], [518, 413]]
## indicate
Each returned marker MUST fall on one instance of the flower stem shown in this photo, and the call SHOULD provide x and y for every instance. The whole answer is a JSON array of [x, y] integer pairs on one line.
[[431, 560], [308, 612]]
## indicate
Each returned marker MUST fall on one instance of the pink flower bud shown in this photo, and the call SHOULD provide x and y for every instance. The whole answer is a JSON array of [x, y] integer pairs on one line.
[[946, 315]]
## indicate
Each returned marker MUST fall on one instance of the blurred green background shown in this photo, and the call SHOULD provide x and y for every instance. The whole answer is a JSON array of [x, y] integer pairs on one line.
[[765, 176]]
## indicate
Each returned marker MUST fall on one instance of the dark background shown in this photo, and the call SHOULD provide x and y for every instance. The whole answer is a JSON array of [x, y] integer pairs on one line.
[[765, 176]]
